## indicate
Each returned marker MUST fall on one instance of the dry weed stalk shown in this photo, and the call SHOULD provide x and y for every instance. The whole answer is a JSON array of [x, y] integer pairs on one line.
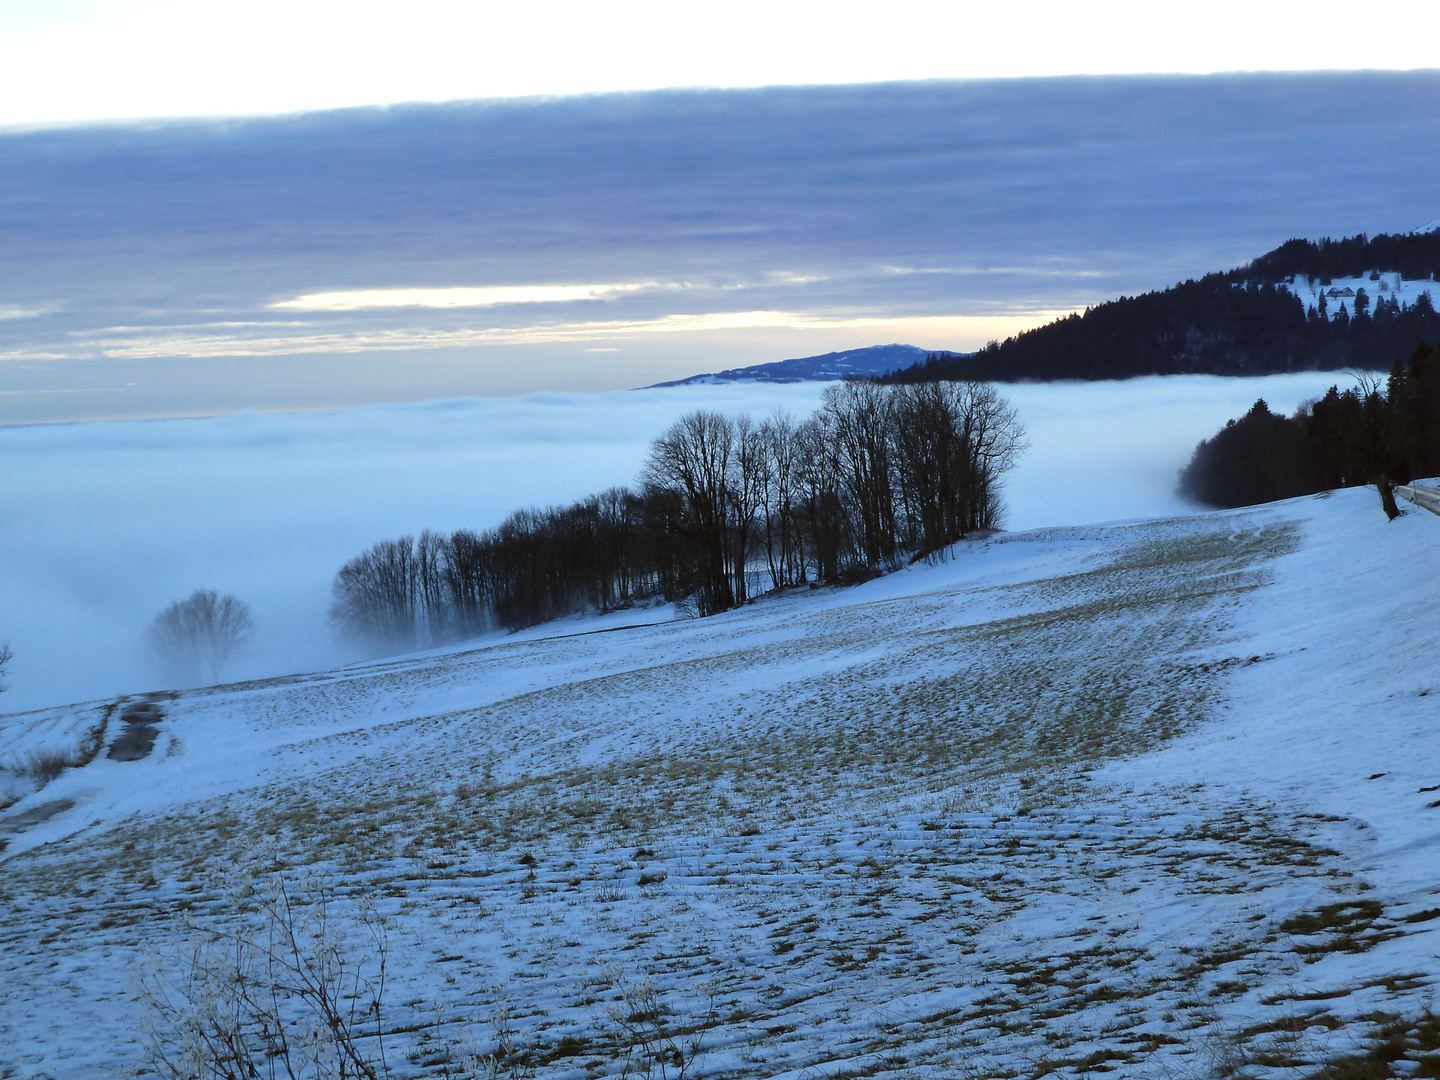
[[294, 997]]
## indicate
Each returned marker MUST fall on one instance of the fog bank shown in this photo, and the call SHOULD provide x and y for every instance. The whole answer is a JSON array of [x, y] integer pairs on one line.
[[105, 523]]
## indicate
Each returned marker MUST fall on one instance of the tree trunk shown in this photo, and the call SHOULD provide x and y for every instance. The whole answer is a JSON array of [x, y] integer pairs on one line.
[[1387, 498]]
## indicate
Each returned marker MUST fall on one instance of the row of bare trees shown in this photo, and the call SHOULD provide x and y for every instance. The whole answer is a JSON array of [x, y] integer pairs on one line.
[[603, 552], [725, 506]]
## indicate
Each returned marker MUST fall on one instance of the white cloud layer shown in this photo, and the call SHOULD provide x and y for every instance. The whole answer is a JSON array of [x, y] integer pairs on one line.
[[106, 523], [304, 340], [493, 244], [454, 297]]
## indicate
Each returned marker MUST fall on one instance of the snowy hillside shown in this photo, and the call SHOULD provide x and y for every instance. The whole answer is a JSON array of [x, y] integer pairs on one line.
[[1340, 292], [1160, 798]]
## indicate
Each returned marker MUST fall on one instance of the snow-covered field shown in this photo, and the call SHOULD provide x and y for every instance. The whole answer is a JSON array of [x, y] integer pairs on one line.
[[1158, 798]]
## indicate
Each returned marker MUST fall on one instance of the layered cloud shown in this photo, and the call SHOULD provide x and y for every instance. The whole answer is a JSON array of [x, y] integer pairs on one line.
[[490, 238], [455, 297], [289, 340]]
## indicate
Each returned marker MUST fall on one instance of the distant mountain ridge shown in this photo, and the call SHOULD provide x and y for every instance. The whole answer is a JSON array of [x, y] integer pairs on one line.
[[871, 361], [1280, 313]]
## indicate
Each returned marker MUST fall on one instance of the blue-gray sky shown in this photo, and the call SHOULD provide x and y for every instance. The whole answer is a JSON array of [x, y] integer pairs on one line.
[[406, 252]]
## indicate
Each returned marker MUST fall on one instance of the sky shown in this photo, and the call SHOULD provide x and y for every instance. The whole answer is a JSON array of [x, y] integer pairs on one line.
[[213, 207], [65, 60], [106, 523], [323, 259]]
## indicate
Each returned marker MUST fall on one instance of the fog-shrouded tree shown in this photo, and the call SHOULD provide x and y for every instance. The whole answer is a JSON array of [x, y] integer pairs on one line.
[[465, 566], [5, 657], [431, 609], [196, 637], [375, 597]]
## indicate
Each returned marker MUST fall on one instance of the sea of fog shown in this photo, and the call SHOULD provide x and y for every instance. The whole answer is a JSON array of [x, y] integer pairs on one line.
[[105, 523]]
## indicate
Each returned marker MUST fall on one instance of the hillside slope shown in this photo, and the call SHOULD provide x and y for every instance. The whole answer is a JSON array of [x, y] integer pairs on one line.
[[1154, 796], [1264, 318], [850, 363]]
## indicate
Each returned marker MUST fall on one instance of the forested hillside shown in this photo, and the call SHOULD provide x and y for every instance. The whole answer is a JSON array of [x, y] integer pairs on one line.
[[1369, 434], [1248, 321], [1413, 255]]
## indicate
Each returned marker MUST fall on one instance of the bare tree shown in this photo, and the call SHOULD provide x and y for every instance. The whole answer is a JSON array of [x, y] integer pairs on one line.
[[465, 566], [431, 607], [693, 459], [861, 414], [779, 494], [818, 484], [201, 633], [931, 462], [375, 597], [5, 657], [747, 493], [876, 473], [995, 438], [952, 443]]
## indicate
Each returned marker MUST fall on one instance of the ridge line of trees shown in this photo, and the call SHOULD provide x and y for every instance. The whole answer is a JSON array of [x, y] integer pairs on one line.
[[724, 507], [1415, 256]]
